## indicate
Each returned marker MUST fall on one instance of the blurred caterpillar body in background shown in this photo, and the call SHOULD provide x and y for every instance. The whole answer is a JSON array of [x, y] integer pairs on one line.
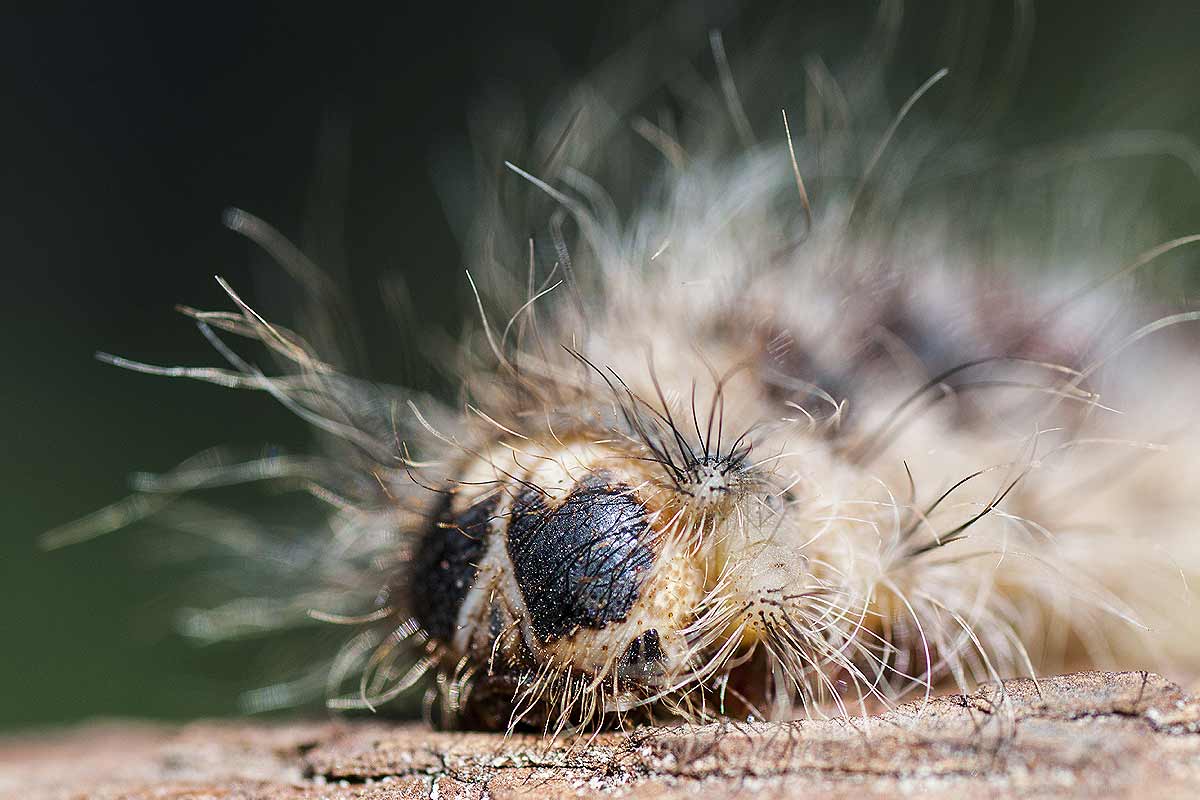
[[775, 441]]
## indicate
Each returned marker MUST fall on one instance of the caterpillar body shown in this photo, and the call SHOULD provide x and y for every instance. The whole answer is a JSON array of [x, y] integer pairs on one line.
[[775, 443]]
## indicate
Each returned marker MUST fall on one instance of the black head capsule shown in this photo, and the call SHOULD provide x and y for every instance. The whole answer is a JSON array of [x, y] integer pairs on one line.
[[446, 565], [574, 571], [581, 563]]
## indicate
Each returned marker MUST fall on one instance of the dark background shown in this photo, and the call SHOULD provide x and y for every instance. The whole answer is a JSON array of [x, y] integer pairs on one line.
[[128, 128]]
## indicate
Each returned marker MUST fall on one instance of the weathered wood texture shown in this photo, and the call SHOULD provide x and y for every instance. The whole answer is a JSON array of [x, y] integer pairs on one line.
[[1090, 734]]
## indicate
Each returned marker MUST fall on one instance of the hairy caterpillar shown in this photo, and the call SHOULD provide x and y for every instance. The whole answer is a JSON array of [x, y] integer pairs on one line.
[[773, 444]]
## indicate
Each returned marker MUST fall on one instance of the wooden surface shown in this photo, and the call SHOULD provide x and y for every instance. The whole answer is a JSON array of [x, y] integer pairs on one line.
[[1089, 734]]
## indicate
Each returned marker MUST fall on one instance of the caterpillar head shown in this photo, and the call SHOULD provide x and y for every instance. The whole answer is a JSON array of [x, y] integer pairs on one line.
[[606, 557]]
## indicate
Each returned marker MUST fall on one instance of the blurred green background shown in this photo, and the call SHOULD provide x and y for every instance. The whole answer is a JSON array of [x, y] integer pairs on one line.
[[129, 127]]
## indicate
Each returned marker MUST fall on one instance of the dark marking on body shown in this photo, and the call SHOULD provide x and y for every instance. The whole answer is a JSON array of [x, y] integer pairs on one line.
[[446, 565], [791, 371], [582, 563]]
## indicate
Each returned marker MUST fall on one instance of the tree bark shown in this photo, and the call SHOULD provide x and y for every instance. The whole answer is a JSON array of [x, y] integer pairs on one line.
[[1089, 734]]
